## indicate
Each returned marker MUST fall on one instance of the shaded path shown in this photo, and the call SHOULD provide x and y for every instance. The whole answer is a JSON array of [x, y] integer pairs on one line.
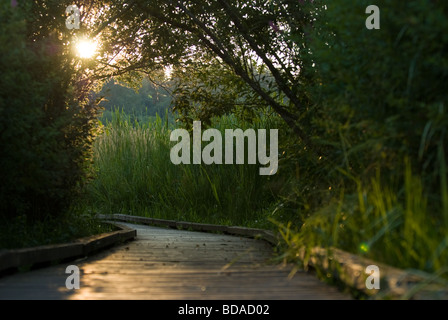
[[173, 264]]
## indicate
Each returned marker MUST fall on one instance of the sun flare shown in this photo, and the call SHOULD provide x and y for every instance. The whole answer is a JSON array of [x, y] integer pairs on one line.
[[86, 48]]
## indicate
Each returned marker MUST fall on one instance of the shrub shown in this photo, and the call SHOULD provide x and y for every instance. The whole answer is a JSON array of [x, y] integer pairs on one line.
[[46, 127]]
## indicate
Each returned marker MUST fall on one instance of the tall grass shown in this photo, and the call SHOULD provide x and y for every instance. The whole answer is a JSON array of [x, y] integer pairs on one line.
[[388, 218], [134, 175], [394, 221]]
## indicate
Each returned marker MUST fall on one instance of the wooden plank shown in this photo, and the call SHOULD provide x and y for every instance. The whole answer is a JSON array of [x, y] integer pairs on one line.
[[234, 230], [396, 283]]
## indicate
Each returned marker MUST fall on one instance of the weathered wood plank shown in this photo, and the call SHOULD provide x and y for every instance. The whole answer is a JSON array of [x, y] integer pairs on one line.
[[234, 230]]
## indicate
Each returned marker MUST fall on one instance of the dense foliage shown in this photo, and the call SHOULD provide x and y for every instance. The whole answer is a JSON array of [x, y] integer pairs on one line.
[[46, 122], [245, 47], [362, 113], [379, 100], [383, 91]]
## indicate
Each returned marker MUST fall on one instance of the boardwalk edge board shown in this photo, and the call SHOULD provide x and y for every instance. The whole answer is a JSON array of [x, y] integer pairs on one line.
[[240, 231], [348, 268], [395, 283], [16, 258]]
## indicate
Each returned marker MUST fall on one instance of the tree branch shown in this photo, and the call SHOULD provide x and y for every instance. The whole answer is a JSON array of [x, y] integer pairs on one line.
[[281, 82]]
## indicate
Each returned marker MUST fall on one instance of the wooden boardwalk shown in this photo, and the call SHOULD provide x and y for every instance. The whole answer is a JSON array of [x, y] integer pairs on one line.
[[167, 264]]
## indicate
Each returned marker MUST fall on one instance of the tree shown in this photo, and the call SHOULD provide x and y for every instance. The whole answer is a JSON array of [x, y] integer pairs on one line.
[[46, 119], [260, 43]]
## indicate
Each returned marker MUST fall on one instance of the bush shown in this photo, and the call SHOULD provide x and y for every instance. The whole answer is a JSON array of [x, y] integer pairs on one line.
[[45, 125], [381, 94], [379, 187]]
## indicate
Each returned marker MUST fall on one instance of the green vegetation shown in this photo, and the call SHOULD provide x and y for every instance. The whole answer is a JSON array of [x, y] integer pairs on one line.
[[363, 163], [148, 100], [72, 225], [134, 175], [361, 114], [379, 116], [47, 124]]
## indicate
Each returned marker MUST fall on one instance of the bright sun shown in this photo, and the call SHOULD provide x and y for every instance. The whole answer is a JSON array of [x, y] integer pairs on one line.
[[86, 48]]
